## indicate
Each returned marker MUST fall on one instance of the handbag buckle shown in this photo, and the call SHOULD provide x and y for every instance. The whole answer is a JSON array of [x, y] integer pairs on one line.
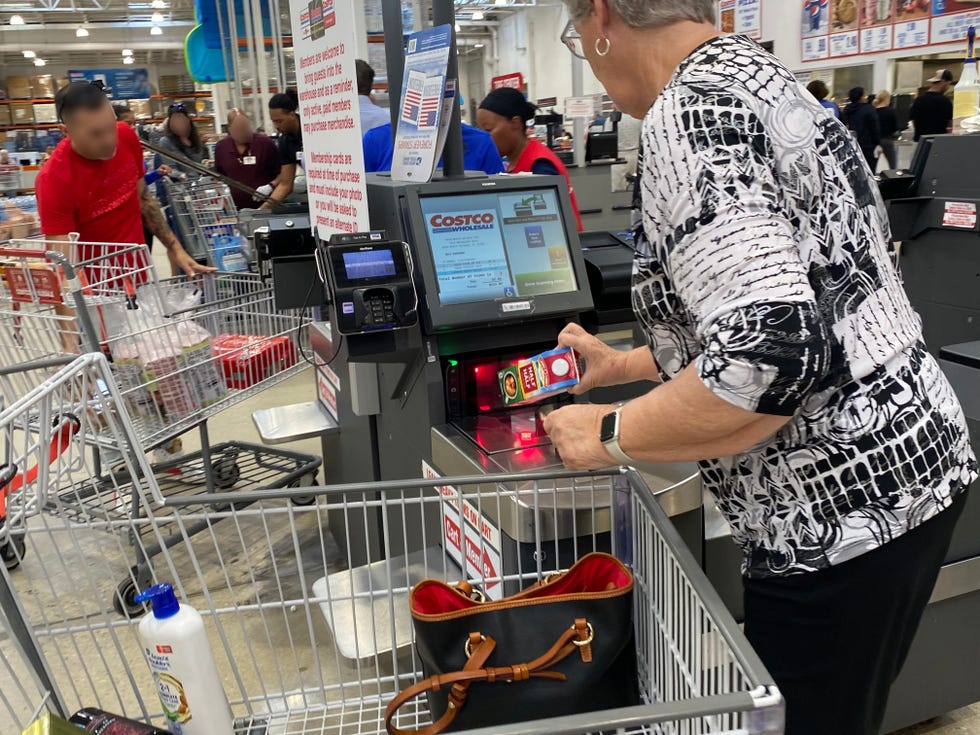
[[586, 642], [469, 649]]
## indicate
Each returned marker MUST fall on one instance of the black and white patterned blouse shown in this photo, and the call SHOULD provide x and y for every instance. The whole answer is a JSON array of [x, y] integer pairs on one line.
[[766, 264]]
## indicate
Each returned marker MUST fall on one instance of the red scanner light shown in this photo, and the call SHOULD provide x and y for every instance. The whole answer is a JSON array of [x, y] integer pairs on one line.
[[484, 408], [527, 436]]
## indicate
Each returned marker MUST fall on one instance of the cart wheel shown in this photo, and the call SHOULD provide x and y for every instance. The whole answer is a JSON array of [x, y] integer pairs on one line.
[[13, 552], [307, 481], [124, 601], [225, 472]]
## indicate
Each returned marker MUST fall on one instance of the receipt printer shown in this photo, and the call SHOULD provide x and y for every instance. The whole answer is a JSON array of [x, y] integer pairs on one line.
[[371, 285]]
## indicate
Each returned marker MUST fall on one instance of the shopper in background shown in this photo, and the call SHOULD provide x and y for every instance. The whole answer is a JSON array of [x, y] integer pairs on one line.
[[126, 115], [93, 184], [180, 136], [282, 112], [479, 151], [247, 157], [819, 90], [504, 113], [888, 123], [792, 362], [932, 111], [862, 121], [371, 115]]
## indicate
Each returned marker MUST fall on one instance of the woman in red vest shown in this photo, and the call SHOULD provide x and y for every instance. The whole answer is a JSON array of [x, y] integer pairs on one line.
[[504, 113]]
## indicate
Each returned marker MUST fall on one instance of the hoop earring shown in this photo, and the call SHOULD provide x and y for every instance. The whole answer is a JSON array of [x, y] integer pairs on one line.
[[606, 49]]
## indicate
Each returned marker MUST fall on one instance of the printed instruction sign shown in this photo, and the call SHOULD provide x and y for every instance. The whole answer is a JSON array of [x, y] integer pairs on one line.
[[470, 538], [960, 214], [333, 158], [423, 83]]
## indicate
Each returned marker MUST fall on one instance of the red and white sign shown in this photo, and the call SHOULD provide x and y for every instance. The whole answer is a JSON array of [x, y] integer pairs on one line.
[[470, 538], [960, 214], [515, 81], [327, 390]]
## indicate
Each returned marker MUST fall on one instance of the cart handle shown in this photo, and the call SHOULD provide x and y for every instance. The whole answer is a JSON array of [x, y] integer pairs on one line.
[[22, 253], [65, 432]]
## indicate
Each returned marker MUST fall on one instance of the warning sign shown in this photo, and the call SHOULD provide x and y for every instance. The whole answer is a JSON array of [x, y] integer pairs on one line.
[[470, 538], [960, 214]]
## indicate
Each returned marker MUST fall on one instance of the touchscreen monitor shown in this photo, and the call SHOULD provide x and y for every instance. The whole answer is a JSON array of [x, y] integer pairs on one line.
[[488, 246]]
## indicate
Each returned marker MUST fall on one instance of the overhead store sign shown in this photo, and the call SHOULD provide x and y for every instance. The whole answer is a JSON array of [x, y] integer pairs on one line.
[[514, 81], [120, 84], [740, 16], [841, 28], [332, 158]]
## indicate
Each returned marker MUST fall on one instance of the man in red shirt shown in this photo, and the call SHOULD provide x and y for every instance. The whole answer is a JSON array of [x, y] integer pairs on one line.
[[93, 182]]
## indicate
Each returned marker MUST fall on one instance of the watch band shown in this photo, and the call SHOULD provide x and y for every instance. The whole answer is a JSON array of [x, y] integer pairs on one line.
[[612, 446]]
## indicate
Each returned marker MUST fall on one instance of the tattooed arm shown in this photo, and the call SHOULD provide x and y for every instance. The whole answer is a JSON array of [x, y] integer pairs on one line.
[[156, 223]]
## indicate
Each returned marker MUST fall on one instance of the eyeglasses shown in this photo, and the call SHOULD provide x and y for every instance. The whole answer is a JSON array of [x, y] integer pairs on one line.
[[573, 41], [177, 107]]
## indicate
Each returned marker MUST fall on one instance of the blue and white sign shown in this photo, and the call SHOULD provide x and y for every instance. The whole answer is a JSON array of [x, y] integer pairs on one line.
[[421, 105], [120, 84]]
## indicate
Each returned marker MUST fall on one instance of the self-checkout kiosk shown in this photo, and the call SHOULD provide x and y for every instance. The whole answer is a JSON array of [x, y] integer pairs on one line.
[[497, 269]]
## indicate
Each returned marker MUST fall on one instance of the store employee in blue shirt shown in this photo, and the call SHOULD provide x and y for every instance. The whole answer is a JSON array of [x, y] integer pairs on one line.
[[371, 115], [479, 151]]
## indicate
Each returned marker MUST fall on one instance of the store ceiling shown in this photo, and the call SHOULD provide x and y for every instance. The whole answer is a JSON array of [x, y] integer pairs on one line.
[[50, 28]]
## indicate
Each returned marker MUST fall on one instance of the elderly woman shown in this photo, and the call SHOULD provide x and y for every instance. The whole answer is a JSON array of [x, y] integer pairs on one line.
[[792, 364]]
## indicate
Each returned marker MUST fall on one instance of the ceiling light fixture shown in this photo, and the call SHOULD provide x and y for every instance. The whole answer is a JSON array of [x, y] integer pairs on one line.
[[29, 54], [477, 45], [39, 62], [156, 31], [499, 2], [16, 20], [158, 4], [81, 33], [457, 28], [127, 59], [156, 18], [477, 15], [127, 52]]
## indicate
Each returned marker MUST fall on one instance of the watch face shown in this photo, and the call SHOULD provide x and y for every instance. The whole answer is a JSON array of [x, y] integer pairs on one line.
[[607, 431]]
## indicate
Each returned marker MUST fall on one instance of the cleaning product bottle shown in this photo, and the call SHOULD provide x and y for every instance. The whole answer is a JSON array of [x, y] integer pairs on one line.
[[177, 650], [100, 722]]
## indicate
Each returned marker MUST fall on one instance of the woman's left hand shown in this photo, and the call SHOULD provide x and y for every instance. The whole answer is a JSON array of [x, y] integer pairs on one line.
[[574, 432]]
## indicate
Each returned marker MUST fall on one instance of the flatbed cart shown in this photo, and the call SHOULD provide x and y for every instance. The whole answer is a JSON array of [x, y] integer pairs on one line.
[[182, 350], [301, 658]]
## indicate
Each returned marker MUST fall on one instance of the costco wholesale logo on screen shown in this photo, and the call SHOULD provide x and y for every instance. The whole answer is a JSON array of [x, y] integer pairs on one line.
[[460, 222]]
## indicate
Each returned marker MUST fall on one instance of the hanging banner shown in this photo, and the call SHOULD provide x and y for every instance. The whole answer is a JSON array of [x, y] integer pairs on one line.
[[420, 112], [515, 81], [328, 109], [119, 84]]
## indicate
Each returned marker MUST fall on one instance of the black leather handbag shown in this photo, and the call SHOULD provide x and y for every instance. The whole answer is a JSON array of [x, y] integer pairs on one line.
[[564, 646]]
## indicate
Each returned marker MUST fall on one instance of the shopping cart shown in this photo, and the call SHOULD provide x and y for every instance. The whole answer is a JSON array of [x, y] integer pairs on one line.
[[182, 350], [207, 221], [308, 643]]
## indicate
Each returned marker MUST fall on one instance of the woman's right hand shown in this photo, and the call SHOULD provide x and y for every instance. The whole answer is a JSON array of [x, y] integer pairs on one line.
[[604, 365]]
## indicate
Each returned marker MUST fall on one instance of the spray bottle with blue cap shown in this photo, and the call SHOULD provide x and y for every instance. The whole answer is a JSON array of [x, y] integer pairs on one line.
[[176, 647]]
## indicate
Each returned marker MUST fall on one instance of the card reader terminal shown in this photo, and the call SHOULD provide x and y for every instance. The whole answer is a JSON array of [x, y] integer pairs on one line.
[[371, 282]]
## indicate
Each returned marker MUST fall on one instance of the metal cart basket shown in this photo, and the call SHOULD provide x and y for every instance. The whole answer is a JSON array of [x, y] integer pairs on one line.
[[206, 217], [307, 643]]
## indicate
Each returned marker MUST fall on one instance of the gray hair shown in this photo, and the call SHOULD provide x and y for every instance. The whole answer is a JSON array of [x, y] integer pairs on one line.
[[650, 13]]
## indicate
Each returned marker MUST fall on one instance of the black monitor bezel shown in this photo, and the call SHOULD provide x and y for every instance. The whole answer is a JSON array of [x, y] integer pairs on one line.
[[438, 316]]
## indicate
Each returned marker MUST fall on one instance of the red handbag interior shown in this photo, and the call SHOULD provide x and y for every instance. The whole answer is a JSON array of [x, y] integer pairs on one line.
[[596, 574]]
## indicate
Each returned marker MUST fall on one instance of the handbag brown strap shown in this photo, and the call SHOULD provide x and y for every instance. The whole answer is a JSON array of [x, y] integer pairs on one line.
[[479, 648]]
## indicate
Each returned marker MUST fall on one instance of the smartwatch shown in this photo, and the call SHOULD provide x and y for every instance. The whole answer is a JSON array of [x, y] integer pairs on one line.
[[609, 436]]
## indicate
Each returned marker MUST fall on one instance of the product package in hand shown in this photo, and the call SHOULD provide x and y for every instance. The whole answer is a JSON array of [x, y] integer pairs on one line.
[[527, 381]]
